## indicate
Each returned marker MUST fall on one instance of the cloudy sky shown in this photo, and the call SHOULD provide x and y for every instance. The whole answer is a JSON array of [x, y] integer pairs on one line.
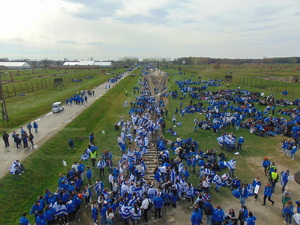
[[111, 29]]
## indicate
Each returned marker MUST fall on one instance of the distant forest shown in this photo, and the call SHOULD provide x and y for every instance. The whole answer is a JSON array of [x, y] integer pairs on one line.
[[207, 60]]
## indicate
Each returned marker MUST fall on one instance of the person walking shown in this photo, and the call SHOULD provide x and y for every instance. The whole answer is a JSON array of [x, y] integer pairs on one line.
[[23, 220], [266, 163], [109, 216], [101, 164], [268, 193], [158, 203], [256, 184], [284, 179], [93, 155], [243, 214], [208, 211], [71, 144], [5, 137], [31, 140], [144, 208], [136, 215], [29, 127], [288, 212], [35, 126], [274, 179], [25, 139]]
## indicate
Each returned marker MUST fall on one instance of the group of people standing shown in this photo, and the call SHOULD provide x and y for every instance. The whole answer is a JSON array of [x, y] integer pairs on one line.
[[23, 136]]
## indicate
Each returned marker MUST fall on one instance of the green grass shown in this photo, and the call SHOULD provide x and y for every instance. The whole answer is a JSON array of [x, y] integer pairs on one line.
[[22, 109]]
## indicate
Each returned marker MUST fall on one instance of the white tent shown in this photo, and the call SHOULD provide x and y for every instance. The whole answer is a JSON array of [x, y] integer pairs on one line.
[[88, 63], [15, 65], [103, 64]]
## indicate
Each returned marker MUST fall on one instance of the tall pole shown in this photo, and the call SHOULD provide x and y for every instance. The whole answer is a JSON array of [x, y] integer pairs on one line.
[[2, 102]]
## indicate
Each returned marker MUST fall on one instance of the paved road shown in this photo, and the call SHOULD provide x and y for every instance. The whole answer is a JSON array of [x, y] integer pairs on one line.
[[49, 124]]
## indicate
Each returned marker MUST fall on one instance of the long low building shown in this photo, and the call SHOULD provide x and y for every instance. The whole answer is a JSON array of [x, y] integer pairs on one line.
[[88, 63], [15, 65]]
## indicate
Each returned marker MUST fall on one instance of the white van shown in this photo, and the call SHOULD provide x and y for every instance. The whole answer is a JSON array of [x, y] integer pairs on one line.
[[57, 107]]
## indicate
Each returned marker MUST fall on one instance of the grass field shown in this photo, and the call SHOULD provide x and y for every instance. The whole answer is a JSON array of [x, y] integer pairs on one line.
[[22, 109]]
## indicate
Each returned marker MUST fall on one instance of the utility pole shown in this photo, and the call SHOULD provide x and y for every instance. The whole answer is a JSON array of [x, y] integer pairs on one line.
[[2, 102]]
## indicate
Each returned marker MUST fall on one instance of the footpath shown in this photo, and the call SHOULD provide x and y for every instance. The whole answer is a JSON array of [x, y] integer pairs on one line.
[[48, 125]]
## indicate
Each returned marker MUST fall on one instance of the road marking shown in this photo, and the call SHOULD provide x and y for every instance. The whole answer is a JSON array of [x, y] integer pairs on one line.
[[37, 119], [48, 114]]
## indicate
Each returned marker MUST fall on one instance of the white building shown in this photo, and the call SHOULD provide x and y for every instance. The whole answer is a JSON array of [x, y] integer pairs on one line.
[[88, 63], [15, 65]]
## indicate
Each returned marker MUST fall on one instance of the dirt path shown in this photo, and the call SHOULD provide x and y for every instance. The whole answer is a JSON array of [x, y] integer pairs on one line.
[[49, 124]]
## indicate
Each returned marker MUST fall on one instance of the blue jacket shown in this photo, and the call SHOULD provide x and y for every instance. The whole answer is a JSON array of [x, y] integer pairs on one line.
[[209, 206], [41, 220], [196, 217], [288, 210], [251, 220], [50, 214], [243, 193], [266, 163], [268, 191], [24, 221], [218, 215], [80, 168], [89, 174], [241, 140], [158, 202]]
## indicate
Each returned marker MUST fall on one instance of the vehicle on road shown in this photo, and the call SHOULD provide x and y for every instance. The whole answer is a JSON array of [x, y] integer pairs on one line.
[[57, 107]]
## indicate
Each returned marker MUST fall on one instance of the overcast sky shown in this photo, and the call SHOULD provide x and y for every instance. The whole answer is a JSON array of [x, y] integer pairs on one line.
[[111, 29]]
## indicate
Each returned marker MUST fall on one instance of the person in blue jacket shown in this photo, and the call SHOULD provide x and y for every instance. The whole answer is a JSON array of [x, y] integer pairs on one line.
[[196, 217], [71, 210], [89, 175], [266, 163], [240, 143], [218, 216], [158, 203], [71, 143], [251, 219], [23, 220], [95, 212], [49, 213], [208, 211], [243, 194], [256, 184], [36, 208], [268, 194], [41, 218], [288, 212], [243, 214]]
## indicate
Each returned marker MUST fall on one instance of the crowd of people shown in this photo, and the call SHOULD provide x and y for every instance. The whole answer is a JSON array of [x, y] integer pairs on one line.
[[129, 196], [24, 137]]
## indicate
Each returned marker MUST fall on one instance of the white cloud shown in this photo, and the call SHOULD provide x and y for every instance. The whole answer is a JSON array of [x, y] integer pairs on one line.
[[149, 28]]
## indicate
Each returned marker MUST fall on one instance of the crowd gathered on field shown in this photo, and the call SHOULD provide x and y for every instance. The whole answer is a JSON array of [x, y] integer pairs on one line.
[[123, 191]]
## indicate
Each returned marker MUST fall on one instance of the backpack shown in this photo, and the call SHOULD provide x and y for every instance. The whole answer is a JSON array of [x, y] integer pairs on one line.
[[150, 206], [207, 210]]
